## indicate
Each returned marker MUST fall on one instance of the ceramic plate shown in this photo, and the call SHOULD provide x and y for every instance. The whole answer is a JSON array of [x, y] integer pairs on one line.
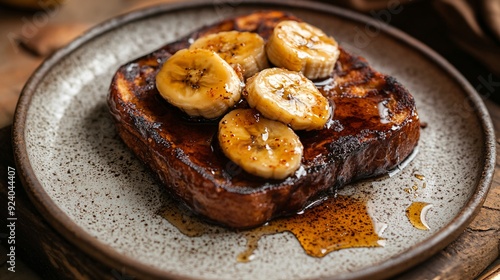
[[98, 195]]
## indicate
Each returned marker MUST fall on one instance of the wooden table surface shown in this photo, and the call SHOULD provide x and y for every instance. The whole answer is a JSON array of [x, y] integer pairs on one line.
[[30, 36]]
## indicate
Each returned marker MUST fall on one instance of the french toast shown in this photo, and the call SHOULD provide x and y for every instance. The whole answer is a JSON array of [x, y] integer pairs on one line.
[[373, 128]]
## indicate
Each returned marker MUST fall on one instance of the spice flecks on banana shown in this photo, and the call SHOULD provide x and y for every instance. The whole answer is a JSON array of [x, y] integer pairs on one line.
[[299, 46], [289, 97], [260, 146], [245, 49], [199, 82]]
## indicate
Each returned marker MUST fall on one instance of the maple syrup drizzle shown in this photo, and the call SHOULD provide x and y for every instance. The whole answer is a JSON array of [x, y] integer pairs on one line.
[[416, 213], [419, 176], [186, 223], [337, 223]]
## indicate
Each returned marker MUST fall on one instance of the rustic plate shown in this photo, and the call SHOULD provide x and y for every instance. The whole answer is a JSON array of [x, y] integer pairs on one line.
[[101, 198]]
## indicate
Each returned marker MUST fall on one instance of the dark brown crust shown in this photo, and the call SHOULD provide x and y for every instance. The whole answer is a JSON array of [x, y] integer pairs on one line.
[[356, 143]]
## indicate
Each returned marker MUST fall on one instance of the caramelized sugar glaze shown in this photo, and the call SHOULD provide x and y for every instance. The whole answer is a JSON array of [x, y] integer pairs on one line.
[[374, 127]]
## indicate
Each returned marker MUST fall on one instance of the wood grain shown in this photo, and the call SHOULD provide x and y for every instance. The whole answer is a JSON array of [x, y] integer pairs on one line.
[[54, 257], [37, 243]]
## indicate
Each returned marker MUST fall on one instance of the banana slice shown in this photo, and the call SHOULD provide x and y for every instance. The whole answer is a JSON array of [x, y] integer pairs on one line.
[[243, 48], [260, 146], [289, 97], [199, 82], [300, 46]]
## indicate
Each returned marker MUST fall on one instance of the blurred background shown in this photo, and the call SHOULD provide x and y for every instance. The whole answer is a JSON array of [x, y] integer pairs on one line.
[[466, 33]]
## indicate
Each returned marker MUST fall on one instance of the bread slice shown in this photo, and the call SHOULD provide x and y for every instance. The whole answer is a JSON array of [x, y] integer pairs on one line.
[[375, 126]]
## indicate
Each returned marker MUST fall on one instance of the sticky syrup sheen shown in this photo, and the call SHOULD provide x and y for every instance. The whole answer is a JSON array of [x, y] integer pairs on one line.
[[417, 211], [337, 223]]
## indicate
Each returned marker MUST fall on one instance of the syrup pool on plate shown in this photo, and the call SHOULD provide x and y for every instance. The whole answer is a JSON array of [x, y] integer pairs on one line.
[[417, 212], [337, 223]]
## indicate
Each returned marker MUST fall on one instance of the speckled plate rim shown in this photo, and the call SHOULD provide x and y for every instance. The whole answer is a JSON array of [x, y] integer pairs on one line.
[[108, 256]]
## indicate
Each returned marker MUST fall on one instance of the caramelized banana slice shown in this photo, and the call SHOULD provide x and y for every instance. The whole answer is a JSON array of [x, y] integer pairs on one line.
[[299, 46], [237, 48], [289, 97], [260, 146], [199, 82]]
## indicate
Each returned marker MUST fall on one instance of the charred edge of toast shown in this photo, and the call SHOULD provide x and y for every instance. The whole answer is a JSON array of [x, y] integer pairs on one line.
[[202, 179]]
